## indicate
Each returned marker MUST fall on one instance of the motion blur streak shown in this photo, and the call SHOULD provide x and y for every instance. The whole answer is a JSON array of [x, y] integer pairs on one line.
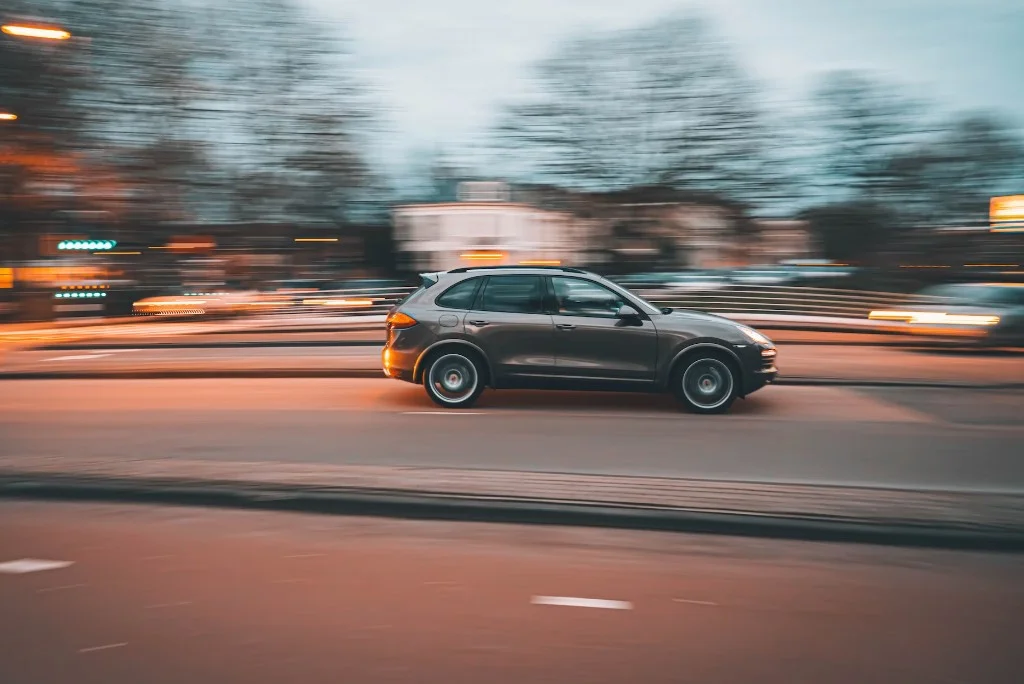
[[35, 32]]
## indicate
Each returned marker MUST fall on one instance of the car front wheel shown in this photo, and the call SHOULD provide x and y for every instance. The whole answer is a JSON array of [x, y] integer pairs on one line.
[[705, 384], [452, 380]]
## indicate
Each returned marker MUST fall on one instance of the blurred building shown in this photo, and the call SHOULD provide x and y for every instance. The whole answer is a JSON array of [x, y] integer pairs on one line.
[[638, 229], [485, 226], [662, 228], [776, 241]]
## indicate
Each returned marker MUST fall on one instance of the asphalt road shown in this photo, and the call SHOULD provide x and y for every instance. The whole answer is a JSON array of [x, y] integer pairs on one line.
[[882, 364], [178, 595], [947, 439]]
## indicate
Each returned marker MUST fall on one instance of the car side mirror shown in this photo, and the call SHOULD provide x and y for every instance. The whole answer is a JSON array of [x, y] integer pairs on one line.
[[627, 312]]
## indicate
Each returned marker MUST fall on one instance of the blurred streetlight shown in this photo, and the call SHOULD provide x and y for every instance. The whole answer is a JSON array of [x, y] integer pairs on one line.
[[7, 116], [23, 31]]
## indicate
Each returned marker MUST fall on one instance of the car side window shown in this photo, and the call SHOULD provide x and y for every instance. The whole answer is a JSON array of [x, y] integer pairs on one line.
[[459, 296], [577, 297], [513, 294]]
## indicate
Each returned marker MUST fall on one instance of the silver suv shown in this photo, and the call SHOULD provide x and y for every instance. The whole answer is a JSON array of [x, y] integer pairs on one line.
[[564, 328]]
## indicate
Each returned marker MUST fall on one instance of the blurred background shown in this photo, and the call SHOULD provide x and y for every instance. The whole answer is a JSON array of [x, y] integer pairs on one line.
[[208, 207], [806, 162]]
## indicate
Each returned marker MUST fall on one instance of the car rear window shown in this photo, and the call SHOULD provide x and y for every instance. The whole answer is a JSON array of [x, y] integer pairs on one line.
[[460, 296]]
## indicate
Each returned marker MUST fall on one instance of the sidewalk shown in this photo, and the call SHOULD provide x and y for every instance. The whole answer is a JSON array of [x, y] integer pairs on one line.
[[957, 519]]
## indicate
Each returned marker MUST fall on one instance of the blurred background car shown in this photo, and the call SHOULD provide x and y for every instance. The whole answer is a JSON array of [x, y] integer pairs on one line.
[[991, 314], [194, 302]]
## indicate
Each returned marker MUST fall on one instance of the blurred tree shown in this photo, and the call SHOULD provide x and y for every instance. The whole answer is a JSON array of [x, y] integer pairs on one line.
[[663, 104], [850, 231], [877, 149], [243, 109], [300, 116], [951, 177], [864, 123], [39, 157]]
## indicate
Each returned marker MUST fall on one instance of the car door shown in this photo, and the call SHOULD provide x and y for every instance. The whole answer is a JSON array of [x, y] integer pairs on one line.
[[592, 342], [511, 324]]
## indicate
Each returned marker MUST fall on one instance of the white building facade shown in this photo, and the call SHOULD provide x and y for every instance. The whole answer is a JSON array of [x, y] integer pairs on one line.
[[484, 228]]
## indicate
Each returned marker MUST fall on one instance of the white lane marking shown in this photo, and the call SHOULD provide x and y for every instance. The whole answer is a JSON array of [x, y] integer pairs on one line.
[[47, 590], [170, 605], [23, 565], [695, 602], [307, 555], [443, 413], [76, 357], [103, 647], [575, 602]]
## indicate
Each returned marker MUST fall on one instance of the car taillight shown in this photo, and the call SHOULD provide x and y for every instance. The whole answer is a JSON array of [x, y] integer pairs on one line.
[[399, 320]]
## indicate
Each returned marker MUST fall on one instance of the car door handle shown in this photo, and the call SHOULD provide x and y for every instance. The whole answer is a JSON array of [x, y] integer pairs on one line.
[[479, 323], [565, 326]]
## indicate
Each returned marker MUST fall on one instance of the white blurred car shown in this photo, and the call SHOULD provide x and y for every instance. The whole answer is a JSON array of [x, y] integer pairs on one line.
[[697, 281]]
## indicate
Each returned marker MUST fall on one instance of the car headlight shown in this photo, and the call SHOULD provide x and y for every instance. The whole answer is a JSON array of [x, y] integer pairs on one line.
[[754, 336]]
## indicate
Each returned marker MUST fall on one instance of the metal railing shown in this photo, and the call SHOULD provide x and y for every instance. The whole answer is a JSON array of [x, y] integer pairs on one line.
[[781, 306], [784, 301], [352, 302]]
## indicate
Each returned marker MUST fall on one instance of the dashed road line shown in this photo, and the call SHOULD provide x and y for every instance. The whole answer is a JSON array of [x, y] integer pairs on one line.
[[76, 357], [104, 647], [577, 602], [63, 587], [695, 602], [24, 565], [176, 604]]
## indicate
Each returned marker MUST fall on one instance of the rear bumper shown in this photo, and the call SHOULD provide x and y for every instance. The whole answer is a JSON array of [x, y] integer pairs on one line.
[[398, 363]]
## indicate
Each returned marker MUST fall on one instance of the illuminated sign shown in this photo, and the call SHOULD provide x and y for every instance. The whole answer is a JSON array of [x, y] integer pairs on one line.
[[86, 245], [1006, 210]]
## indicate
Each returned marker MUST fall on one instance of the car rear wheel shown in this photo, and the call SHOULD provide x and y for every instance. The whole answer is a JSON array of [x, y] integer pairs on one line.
[[452, 380], [705, 384]]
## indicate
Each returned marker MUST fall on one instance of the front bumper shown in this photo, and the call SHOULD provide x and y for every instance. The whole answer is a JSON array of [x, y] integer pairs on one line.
[[759, 366]]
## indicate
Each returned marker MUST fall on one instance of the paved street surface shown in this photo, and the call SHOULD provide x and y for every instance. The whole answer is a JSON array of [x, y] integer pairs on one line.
[[172, 595], [949, 439], [884, 364]]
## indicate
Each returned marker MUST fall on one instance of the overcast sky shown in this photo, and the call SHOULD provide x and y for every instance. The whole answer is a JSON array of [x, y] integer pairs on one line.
[[444, 66]]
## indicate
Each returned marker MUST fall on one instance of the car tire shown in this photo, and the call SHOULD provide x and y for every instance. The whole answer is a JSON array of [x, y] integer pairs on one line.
[[705, 383], [453, 380]]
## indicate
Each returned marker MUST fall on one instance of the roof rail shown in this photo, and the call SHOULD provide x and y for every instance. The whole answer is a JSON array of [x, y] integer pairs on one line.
[[566, 269]]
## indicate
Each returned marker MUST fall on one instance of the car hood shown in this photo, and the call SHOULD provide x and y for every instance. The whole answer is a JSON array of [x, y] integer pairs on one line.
[[686, 319]]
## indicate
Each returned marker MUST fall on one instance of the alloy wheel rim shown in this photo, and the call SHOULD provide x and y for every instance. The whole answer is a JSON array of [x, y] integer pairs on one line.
[[708, 383], [453, 378]]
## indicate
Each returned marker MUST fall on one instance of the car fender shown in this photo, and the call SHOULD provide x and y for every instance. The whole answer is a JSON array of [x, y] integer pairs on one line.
[[417, 372], [666, 370]]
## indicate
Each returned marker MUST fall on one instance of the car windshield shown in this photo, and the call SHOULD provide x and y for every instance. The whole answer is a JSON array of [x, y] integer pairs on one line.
[[644, 305]]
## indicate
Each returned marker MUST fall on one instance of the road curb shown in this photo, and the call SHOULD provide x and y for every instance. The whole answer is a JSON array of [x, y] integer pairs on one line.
[[304, 373], [509, 510]]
